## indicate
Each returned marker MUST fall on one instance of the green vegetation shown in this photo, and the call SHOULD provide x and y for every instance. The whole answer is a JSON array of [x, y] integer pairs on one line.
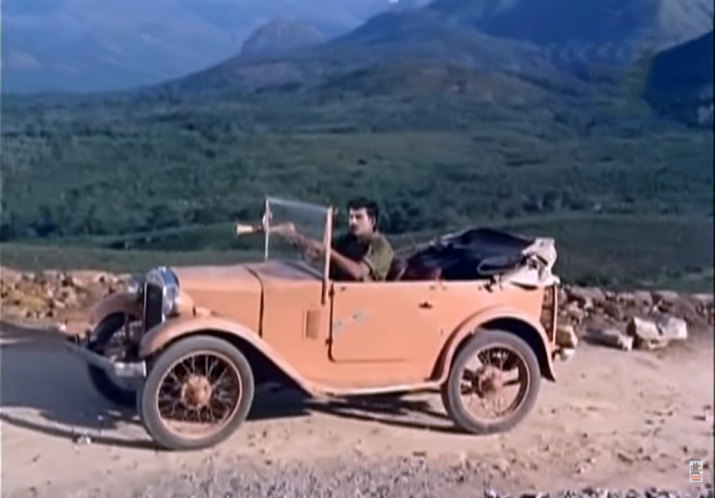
[[628, 198]]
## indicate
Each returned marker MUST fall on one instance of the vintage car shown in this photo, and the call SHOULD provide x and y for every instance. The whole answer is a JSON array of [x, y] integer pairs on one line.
[[471, 315]]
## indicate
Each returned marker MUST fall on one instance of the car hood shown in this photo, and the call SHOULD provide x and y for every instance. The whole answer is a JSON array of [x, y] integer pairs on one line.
[[223, 278]]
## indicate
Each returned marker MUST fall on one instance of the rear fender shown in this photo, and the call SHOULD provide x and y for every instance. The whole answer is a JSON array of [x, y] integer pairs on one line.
[[174, 329], [506, 319], [120, 302]]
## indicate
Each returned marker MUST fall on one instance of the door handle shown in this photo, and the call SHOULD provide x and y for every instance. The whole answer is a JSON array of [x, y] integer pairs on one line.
[[426, 305]]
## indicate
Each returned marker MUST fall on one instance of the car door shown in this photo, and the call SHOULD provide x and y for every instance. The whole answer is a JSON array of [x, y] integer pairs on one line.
[[384, 322]]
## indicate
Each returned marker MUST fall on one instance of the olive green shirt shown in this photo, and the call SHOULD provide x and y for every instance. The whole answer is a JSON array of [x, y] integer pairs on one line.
[[376, 252]]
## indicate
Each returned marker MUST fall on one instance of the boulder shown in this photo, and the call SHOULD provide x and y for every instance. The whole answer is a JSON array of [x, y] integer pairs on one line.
[[587, 297], [665, 297], [672, 328], [611, 337], [656, 334], [613, 310], [642, 298], [566, 337]]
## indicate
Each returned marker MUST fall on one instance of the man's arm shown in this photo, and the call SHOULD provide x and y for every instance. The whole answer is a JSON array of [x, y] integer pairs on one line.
[[288, 231], [374, 266], [358, 270]]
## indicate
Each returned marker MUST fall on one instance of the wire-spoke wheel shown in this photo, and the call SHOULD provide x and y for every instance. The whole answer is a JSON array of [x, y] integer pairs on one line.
[[493, 383], [197, 393]]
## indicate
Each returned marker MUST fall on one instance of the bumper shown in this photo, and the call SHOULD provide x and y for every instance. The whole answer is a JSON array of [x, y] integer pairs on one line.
[[122, 370]]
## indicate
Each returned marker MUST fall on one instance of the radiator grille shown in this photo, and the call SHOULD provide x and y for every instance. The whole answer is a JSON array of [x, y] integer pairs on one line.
[[152, 305]]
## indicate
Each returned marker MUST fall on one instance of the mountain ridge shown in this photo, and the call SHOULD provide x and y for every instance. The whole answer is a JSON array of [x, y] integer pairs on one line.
[[83, 45], [679, 82]]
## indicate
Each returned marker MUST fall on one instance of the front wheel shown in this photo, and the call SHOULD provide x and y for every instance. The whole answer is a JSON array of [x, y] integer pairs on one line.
[[504, 363], [197, 393]]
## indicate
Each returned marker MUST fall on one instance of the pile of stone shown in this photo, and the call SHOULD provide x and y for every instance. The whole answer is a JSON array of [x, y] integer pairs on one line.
[[626, 320], [53, 294]]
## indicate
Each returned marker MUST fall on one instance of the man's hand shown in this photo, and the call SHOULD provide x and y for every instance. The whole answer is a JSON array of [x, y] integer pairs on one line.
[[313, 248], [285, 229]]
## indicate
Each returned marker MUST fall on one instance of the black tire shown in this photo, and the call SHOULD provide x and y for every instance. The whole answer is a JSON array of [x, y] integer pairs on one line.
[[147, 398], [453, 401], [100, 379]]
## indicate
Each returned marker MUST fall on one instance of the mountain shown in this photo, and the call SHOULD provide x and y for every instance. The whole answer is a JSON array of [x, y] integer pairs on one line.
[[83, 45], [86, 45], [584, 31], [280, 36], [399, 37], [680, 81]]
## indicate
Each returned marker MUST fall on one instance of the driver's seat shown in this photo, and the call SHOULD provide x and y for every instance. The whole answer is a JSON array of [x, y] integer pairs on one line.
[[397, 269]]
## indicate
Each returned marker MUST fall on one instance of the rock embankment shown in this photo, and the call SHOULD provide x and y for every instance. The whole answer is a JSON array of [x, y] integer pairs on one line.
[[625, 320], [54, 295]]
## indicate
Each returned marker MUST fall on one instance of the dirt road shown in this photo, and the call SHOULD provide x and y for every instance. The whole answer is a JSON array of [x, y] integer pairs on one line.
[[615, 420]]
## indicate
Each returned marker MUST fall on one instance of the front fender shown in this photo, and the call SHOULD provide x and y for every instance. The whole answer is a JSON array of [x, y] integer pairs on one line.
[[120, 302], [167, 332], [484, 319]]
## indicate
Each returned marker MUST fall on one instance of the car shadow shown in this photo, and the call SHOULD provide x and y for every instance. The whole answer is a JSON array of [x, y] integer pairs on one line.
[[43, 388], [391, 410]]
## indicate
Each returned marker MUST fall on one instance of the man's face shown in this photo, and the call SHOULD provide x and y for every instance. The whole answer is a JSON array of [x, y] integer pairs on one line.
[[360, 222]]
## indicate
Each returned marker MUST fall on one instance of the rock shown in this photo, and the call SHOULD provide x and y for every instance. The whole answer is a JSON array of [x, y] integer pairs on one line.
[[574, 312], [611, 337], [563, 296], [57, 304], [665, 296], [672, 328], [645, 334], [613, 310], [656, 334], [566, 337], [69, 281], [626, 298], [70, 297], [642, 298], [9, 276], [567, 353], [587, 297], [704, 299]]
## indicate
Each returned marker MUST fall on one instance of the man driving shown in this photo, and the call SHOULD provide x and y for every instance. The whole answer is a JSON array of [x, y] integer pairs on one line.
[[362, 254]]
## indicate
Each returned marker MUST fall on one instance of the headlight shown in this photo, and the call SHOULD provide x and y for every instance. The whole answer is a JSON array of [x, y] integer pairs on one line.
[[167, 281], [170, 303], [135, 285]]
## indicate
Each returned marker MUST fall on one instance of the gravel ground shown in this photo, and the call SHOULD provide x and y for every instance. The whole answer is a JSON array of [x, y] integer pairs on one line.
[[354, 478]]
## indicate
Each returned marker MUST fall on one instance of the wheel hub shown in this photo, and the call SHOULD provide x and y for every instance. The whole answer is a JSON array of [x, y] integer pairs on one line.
[[487, 381], [196, 391]]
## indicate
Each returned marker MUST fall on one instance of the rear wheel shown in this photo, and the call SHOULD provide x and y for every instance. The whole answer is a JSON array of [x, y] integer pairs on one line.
[[504, 363], [197, 393], [109, 339]]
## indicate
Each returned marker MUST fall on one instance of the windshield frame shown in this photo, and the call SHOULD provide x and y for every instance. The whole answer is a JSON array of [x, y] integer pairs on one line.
[[327, 233]]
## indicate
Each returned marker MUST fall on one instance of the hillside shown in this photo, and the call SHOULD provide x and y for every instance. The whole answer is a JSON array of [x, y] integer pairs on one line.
[[680, 81]]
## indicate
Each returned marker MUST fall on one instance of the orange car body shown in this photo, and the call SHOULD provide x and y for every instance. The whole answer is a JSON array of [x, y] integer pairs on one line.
[[342, 338]]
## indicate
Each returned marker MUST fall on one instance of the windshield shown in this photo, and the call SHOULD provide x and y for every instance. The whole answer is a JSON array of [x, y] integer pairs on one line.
[[309, 221]]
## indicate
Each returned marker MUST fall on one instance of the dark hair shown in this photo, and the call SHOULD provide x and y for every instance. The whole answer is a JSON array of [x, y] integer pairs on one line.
[[370, 206]]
